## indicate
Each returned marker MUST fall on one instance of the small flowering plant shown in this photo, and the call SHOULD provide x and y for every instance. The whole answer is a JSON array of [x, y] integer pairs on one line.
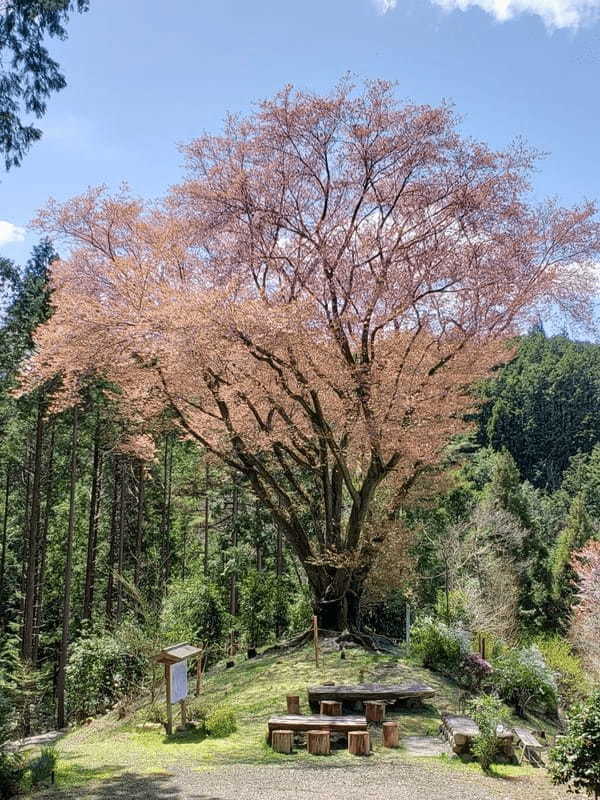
[[475, 670]]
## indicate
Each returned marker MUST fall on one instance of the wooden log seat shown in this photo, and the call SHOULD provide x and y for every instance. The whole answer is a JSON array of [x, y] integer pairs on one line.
[[318, 743], [298, 723], [355, 695], [282, 741], [331, 708], [375, 711], [460, 732], [359, 743], [293, 703], [391, 734]]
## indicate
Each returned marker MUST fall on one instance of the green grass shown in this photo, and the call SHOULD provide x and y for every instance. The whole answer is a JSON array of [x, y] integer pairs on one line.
[[254, 690]]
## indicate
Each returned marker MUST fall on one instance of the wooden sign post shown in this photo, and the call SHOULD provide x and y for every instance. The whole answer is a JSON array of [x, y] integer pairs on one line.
[[176, 688]]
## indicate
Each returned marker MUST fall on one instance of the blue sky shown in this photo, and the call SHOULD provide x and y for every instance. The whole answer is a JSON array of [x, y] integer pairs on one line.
[[144, 75]]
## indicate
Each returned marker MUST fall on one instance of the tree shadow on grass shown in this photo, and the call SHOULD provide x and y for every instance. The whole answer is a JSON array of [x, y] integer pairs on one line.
[[131, 786]]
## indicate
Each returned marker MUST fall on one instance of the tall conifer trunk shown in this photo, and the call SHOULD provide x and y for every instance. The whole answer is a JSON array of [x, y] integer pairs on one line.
[[43, 549], [33, 539], [94, 519], [4, 544], [67, 577]]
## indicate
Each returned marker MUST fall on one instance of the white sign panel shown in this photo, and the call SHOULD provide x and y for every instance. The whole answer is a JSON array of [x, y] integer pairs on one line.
[[179, 681]]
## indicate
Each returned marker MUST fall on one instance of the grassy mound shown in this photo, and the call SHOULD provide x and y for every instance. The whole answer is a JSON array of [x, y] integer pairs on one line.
[[253, 690]]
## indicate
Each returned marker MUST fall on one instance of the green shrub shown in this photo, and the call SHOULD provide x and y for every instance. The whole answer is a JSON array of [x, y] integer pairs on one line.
[[488, 712], [257, 607], [193, 612], [300, 613], [100, 671], [523, 679], [570, 675], [575, 759], [41, 768], [451, 608], [220, 722], [439, 646], [12, 770]]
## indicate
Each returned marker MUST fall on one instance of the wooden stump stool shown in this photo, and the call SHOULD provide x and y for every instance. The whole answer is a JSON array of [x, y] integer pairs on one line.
[[331, 708], [282, 741], [391, 734], [359, 743], [318, 743], [374, 711], [293, 704]]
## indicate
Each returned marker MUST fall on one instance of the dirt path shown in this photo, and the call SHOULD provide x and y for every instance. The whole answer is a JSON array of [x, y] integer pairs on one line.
[[402, 781]]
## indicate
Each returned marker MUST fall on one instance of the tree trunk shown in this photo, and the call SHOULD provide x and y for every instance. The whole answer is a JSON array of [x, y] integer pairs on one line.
[[94, 519], [110, 581], [121, 542], [206, 519], [137, 569], [4, 545], [41, 577], [337, 594], [66, 610], [33, 539], [166, 510]]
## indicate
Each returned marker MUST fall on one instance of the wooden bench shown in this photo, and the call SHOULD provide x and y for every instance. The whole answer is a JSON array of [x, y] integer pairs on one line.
[[530, 748], [316, 722], [364, 692], [460, 732]]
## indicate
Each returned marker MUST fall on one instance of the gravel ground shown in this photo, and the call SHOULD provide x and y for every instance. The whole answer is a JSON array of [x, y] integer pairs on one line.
[[403, 781]]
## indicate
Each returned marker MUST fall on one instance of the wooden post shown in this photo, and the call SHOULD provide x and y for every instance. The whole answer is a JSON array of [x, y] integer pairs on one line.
[[318, 743], [331, 708], [316, 638], [282, 741], [391, 734], [293, 704], [183, 712], [168, 696], [407, 623], [359, 743], [200, 663], [374, 711]]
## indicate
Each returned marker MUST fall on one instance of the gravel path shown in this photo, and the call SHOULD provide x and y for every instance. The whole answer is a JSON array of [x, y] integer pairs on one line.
[[402, 781]]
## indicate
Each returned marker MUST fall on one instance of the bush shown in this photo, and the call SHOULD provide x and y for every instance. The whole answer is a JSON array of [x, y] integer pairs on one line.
[[575, 759], [571, 679], [220, 722], [522, 678], [475, 671], [488, 712], [100, 671], [439, 646], [12, 770], [41, 768], [193, 612], [257, 607], [300, 613]]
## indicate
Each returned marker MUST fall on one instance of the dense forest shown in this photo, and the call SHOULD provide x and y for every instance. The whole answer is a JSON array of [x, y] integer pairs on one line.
[[106, 556]]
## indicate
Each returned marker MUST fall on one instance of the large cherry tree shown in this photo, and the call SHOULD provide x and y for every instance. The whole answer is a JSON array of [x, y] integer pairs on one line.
[[312, 303]]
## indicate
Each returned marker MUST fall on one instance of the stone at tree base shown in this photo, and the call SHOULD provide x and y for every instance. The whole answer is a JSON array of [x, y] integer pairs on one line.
[[391, 734], [318, 743], [282, 741], [374, 712], [293, 704], [359, 743], [331, 708]]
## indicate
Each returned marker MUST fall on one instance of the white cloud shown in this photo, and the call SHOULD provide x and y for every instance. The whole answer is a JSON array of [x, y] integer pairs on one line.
[[383, 6], [555, 13], [10, 233]]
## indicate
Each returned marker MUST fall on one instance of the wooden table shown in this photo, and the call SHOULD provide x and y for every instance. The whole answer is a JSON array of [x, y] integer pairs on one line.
[[316, 722], [350, 695], [460, 732]]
